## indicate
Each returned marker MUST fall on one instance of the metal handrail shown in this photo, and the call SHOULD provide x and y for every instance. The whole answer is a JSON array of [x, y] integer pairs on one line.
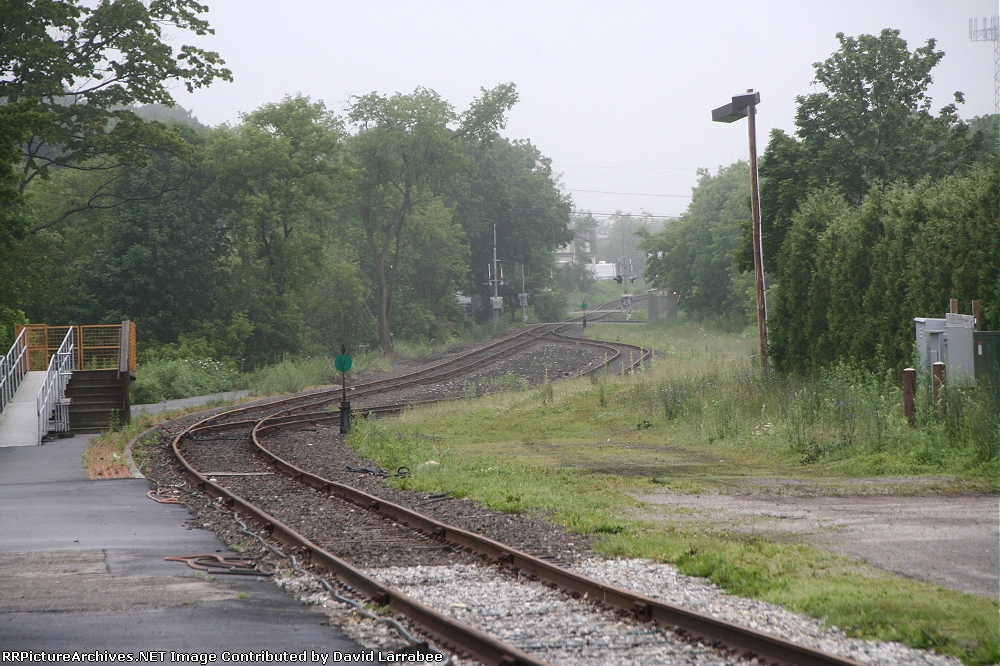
[[53, 407], [13, 368]]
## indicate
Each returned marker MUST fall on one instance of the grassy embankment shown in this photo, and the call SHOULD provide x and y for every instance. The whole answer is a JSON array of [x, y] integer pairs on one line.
[[703, 420]]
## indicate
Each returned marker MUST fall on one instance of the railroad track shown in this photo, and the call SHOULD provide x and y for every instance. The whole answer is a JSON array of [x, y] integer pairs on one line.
[[259, 483]]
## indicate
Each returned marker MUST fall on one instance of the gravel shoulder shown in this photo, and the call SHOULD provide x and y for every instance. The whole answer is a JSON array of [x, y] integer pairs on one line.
[[951, 540]]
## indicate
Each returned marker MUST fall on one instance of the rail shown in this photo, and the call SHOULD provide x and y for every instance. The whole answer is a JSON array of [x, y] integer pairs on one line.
[[53, 406], [13, 368]]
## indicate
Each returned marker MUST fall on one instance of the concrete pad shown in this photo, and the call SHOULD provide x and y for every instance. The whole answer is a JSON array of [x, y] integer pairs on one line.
[[19, 419], [78, 580]]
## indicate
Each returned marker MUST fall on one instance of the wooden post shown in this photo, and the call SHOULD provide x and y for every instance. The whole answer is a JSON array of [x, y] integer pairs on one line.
[[938, 379], [975, 313], [953, 305], [910, 395], [758, 261]]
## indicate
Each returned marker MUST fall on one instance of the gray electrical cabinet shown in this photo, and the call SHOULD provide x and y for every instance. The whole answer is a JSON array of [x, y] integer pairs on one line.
[[948, 340], [930, 341], [662, 304]]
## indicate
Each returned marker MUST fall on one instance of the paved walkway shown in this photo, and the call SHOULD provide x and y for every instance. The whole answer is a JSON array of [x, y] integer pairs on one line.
[[82, 569], [181, 403], [19, 419]]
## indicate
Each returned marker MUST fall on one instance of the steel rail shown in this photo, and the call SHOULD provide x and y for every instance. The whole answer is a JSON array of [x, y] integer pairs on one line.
[[747, 642], [327, 396], [441, 627], [423, 376], [295, 415], [371, 386]]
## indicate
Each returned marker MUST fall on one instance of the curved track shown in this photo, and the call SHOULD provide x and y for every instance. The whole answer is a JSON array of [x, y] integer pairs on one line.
[[411, 530]]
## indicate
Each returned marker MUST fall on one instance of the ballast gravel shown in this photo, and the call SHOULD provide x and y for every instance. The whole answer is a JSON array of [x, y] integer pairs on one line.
[[543, 622], [662, 581]]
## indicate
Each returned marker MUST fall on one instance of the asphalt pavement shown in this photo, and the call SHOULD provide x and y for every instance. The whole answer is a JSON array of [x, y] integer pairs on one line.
[[82, 565]]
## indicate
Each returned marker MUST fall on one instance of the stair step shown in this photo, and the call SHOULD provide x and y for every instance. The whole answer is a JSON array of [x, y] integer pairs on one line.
[[94, 390], [80, 408], [103, 395], [110, 374], [97, 397], [93, 381]]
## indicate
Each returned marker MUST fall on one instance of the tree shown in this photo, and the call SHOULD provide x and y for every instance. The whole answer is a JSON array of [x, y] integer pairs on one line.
[[512, 186], [406, 149], [433, 267], [68, 73], [693, 255], [870, 124], [159, 262], [852, 278], [276, 181]]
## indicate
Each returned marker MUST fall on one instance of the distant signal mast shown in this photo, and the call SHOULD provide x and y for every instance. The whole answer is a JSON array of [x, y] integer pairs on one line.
[[988, 33]]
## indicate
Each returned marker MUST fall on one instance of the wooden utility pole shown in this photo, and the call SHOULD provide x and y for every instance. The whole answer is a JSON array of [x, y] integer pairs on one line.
[[910, 395], [758, 259], [746, 106]]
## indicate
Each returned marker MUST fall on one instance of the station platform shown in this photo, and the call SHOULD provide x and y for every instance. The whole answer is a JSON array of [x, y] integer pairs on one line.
[[83, 568], [19, 419]]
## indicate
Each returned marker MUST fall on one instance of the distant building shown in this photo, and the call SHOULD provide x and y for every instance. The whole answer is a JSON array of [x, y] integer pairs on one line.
[[602, 270], [580, 250]]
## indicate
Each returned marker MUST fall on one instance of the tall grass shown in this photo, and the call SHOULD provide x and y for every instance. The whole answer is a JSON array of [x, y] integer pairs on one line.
[[292, 376], [846, 418], [169, 379]]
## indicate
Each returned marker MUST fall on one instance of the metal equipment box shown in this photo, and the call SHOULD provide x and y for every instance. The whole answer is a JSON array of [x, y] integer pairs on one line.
[[930, 341], [948, 340], [662, 304]]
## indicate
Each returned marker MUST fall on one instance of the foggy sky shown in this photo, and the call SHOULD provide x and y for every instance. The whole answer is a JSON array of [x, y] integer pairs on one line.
[[617, 94]]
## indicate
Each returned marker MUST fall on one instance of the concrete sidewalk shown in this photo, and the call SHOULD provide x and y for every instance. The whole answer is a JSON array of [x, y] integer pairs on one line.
[[82, 568], [19, 419], [181, 403]]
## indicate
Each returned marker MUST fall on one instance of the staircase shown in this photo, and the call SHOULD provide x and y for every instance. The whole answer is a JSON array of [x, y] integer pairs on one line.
[[86, 383], [99, 399]]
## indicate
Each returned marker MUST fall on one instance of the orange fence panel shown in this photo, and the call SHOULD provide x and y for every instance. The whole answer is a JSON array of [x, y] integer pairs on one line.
[[97, 348]]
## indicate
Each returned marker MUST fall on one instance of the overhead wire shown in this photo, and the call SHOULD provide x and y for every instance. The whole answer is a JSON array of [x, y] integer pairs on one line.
[[631, 194]]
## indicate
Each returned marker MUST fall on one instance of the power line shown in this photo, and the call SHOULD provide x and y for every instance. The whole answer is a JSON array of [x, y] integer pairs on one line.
[[630, 194], [579, 166], [619, 213]]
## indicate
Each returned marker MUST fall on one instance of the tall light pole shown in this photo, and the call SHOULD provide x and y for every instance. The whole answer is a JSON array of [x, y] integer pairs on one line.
[[745, 106]]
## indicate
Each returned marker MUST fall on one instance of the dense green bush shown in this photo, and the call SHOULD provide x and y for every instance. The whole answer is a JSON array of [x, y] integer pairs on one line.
[[549, 305], [170, 379], [291, 376], [852, 278]]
